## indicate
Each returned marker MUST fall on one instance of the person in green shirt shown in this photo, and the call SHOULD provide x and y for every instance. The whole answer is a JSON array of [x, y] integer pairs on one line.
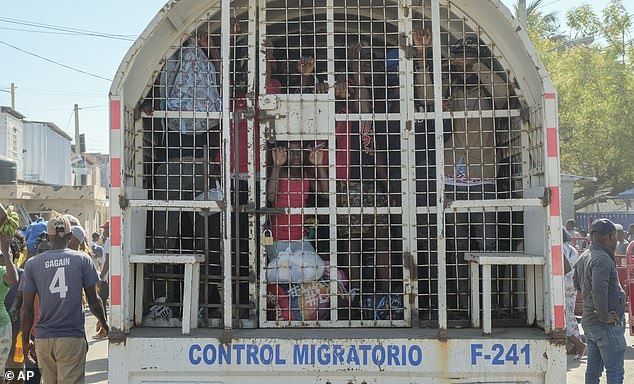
[[8, 277]]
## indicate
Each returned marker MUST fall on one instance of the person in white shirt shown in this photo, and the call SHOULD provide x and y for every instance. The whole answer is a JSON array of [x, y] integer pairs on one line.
[[572, 326], [571, 227], [103, 287]]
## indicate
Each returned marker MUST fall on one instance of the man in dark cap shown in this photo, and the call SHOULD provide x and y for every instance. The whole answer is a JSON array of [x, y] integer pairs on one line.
[[603, 318], [474, 146]]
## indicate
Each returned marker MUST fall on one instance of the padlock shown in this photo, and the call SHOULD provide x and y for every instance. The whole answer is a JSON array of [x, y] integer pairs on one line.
[[267, 237]]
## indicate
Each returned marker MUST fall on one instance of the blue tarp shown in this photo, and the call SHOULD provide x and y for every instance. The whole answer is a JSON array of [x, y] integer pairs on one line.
[[32, 232], [585, 219], [629, 194]]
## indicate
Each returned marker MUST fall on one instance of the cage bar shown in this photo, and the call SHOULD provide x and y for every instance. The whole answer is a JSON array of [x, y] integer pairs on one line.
[[427, 153]]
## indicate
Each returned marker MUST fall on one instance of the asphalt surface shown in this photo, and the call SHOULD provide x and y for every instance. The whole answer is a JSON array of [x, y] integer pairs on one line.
[[97, 357], [577, 369]]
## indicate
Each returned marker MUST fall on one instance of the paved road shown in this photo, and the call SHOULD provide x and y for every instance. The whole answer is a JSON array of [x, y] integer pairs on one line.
[[577, 369], [97, 360]]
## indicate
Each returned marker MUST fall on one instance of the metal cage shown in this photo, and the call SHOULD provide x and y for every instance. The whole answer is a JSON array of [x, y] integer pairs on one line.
[[321, 163]]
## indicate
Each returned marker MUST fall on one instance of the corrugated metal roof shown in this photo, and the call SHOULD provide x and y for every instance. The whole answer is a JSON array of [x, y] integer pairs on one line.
[[52, 127], [12, 112]]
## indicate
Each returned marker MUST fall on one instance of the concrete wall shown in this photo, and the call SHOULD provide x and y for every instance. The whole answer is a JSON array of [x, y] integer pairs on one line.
[[87, 203], [567, 197], [99, 165]]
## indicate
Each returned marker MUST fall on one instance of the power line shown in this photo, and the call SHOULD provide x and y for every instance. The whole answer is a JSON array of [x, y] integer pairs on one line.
[[66, 33], [59, 33], [55, 93], [72, 112], [94, 106], [46, 108], [70, 30], [55, 62], [96, 141]]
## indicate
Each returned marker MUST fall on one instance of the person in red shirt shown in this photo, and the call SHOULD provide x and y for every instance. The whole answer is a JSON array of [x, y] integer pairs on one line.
[[289, 185]]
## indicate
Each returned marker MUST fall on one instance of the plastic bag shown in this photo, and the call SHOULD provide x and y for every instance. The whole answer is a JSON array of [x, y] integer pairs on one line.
[[294, 267]]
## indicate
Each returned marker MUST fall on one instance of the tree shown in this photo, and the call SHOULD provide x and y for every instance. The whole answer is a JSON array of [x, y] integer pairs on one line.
[[596, 94], [538, 24], [595, 84]]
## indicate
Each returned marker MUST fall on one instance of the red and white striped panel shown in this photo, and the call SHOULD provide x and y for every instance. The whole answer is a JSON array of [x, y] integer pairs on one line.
[[554, 221], [116, 139]]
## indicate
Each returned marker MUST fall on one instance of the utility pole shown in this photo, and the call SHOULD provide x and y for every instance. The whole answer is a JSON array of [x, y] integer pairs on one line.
[[13, 96], [77, 146], [522, 14]]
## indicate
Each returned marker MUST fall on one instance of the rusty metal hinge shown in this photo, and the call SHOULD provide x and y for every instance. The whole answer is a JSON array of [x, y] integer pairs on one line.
[[547, 198], [116, 336], [227, 337]]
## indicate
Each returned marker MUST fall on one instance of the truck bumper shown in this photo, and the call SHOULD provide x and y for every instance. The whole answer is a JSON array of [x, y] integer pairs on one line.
[[322, 356]]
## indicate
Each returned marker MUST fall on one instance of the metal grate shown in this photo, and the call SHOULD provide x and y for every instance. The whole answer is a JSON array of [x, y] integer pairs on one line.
[[183, 160], [358, 239], [347, 104]]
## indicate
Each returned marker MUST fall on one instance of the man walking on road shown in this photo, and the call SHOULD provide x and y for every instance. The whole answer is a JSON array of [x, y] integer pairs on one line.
[[58, 276], [603, 317]]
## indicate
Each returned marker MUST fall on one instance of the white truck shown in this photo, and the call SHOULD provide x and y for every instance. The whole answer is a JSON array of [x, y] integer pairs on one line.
[[285, 206]]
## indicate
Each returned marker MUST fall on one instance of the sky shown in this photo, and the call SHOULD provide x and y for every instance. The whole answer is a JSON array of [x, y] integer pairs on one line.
[[47, 92]]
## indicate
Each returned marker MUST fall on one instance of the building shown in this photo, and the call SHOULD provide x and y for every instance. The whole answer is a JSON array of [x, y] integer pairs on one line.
[[11, 136], [98, 169], [88, 203], [42, 153], [47, 152], [568, 185]]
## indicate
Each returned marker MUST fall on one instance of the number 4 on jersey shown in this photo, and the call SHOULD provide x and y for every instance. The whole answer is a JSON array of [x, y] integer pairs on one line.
[[58, 284]]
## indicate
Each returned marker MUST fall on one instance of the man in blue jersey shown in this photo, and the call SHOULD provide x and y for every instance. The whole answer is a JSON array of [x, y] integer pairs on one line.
[[58, 276]]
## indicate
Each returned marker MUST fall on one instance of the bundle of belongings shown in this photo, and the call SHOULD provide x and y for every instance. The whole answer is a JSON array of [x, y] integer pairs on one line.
[[298, 287]]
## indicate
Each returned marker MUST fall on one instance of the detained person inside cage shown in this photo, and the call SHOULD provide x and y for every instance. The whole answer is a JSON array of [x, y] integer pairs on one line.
[[424, 137], [361, 173], [239, 105], [471, 153], [305, 73], [187, 83], [291, 180]]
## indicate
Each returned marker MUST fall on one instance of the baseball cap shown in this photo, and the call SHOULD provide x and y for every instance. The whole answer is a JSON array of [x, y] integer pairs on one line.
[[78, 233], [602, 226], [58, 225]]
